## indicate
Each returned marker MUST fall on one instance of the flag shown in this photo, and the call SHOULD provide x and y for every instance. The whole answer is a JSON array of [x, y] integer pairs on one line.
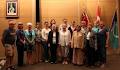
[[98, 13], [114, 32], [84, 17]]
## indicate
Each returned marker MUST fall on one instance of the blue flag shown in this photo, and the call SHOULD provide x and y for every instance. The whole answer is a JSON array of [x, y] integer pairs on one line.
[[114, 37]]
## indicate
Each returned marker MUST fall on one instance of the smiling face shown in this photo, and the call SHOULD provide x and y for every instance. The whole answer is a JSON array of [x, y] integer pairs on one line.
[[11, 24], [65, 21], [20, 26], [101, 24]]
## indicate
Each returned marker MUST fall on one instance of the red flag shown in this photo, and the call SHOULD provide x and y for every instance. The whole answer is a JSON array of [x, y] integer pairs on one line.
[[84, 17], [98, 13]]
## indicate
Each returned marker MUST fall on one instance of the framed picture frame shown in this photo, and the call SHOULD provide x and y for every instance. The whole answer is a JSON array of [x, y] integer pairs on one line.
[[11, 8]]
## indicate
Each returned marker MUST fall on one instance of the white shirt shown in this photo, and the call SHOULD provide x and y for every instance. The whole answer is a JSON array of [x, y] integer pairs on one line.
[[64, 38], [88, 35], [45, 33], [54, 37]]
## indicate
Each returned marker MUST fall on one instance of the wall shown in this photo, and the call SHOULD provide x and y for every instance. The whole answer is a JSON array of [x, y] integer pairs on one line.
[[72, 9], [58, 9], [26, 14]]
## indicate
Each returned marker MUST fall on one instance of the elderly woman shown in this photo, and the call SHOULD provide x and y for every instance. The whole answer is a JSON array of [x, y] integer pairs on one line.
[[45, 32], [77, 44], [64, 41], [30, 42], [53, 38], [38, 46], [102, 42]]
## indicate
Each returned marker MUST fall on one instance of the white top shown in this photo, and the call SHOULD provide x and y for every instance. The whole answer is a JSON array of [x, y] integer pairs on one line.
[[54, 37], [88, 35], [60, 27], [64, 38], [83, 30], [45, 33]]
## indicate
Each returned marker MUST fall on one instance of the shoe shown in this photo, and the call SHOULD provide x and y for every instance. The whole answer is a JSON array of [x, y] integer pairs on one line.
[[63, 62], [46, 61], [52, 62], [66, 62], [102, 66]]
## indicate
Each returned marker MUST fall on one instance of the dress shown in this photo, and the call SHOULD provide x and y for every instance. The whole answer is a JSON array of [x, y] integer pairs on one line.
[[77, 44], [101, 43]]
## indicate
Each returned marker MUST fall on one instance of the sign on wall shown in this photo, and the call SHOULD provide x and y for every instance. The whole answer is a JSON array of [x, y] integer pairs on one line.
[[11, 8]]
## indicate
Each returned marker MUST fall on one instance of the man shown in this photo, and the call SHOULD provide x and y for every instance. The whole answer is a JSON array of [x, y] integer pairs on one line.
[[8, 40], [65, 21]]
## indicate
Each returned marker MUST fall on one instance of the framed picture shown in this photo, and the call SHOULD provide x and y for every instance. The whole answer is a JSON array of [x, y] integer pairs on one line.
[[11, 8]]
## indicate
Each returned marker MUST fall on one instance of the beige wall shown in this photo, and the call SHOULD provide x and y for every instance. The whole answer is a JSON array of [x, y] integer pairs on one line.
[[58, 9], [26, 14], [72, 9]]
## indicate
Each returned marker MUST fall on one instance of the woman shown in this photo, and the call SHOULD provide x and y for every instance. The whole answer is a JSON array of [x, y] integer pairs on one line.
[[38, 46], [72, 28], [20, 43], [51, 23], [30, 42], [45, 32], [64, 41], [102, 42], [90, 46], [53, 38], [77, 44]]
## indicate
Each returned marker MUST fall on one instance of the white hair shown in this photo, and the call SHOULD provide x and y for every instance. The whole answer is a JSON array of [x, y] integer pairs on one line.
[[29, 23]]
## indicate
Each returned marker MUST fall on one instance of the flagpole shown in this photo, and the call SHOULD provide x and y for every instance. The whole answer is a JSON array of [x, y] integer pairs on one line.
[[78, 11], [117, 8]]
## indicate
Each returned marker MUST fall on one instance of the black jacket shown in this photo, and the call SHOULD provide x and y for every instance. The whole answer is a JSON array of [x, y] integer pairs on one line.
[[50, 37]]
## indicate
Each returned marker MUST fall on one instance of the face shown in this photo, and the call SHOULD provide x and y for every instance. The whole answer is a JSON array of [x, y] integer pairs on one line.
[[64, 27], [53, 21], [20, 26], [11, 24], [73, 23], [89, 27], [29, 27], [101, 24], [65, 21], [53, 27], [83, 24], [37, 26], [46, 24], [78, 28]]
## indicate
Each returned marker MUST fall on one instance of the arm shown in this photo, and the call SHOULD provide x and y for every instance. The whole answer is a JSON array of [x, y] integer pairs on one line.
[[107, 39], [4, 37], [43, 34]]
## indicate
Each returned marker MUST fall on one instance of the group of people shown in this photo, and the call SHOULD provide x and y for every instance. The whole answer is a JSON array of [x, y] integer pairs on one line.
[[79, 44]]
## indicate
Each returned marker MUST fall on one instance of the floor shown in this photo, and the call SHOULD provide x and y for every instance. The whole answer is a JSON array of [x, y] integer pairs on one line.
[[113, 63]]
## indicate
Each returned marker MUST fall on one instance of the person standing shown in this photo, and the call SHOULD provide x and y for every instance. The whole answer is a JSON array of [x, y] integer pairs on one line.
[[38, 44], [77, 44], [102, 42], [20, 43], [72, 28], [90, 46], [53, 39], [45, 32], [64, 42], [30, 42], [8, 40]]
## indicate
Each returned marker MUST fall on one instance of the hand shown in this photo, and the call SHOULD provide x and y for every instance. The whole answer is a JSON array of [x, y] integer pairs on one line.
[[48, 45]]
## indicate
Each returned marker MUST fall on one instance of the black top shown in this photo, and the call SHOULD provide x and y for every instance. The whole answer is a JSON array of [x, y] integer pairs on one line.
[[50, 37], [8, 36]]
